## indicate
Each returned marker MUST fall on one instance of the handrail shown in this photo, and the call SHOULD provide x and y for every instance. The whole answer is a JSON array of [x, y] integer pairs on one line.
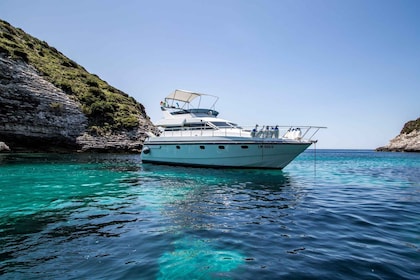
[[267, 132]]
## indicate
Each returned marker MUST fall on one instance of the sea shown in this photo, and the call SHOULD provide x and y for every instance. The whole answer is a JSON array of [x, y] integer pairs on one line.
[[330, 214]]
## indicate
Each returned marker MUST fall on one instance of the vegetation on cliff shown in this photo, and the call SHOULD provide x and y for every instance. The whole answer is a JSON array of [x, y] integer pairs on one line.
[[107, 108], [407, 141], [411, 126]]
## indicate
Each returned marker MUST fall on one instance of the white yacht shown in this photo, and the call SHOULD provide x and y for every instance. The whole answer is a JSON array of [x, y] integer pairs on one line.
[[193, 135]]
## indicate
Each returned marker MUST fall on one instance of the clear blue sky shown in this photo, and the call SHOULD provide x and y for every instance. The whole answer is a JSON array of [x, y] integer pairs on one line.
[[353, 66]]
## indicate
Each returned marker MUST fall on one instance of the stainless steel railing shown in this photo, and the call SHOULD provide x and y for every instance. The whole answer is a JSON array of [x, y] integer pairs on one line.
[[284, 132]]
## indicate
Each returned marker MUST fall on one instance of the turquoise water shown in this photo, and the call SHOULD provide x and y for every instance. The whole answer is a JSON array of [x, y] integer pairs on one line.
[[333, 214]]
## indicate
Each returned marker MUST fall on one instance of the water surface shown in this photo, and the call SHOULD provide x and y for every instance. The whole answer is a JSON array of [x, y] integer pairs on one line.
[[330, 214]]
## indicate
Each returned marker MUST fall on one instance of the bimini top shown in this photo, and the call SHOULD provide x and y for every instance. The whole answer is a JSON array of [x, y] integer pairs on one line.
[[183, 95], [187, 105], [187, 96]]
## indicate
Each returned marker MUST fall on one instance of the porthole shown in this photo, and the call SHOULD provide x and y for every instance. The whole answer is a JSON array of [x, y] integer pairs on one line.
[[178, 147], [244, 147], [202, 147], [221, 147]]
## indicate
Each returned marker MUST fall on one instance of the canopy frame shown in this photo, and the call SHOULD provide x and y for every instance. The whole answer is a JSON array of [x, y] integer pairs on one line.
[[186, 97]]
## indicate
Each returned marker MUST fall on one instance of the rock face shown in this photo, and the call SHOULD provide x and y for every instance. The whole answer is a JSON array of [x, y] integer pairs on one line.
[[407, 141], [37, 116], [50, 103], [35, 113], [4, 147]]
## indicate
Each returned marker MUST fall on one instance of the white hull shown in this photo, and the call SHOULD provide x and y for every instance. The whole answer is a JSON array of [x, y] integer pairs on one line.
[[222, 152], [194, 136]]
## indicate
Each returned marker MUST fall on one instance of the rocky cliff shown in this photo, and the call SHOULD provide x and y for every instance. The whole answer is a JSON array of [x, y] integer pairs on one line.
[[407, 141], [50, 103]]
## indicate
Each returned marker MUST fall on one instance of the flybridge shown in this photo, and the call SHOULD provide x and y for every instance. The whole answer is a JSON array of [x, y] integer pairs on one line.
[[187, 102], [188, 99]]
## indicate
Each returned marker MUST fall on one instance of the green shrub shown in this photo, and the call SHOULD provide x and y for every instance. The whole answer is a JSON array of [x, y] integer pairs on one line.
[[101, 113], [21, 55], [66, 87], [101, 107], [4, 50], [410, 126], [92, 83], [56, 107], [8, 36], [98, 93], [129, 122], [69, 63], [87, 98]]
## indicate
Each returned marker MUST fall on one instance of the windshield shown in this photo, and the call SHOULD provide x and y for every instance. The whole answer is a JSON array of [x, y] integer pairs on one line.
[[224, 124]]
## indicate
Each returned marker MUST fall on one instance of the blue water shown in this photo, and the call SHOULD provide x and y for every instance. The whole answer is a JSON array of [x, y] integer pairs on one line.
[[333, 214]]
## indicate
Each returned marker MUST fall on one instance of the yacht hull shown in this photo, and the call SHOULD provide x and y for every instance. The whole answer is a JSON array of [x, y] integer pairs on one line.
[[223, 153]]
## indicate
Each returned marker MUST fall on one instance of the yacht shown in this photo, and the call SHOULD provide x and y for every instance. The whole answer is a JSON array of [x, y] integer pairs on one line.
[[192, 134]]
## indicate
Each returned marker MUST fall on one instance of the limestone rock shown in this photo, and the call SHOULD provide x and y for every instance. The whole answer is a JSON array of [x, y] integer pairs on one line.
[[4, 147], [48, 102], [37, 116], [407, 141], [123, 142], [32, 110]]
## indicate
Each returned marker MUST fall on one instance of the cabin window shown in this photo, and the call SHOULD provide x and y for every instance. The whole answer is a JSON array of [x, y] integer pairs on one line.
[[195, 125], [202, 147], [221, 124], [178, 147], [173, 128], [221, 147], [189, 126], [244, 147]]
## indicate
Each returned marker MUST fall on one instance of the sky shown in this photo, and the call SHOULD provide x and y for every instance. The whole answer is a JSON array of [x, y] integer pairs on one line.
[[350, 65]]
